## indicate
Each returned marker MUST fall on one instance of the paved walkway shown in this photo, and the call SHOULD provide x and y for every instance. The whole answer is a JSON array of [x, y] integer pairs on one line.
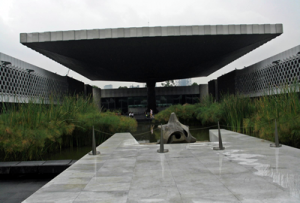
[[248, 170]]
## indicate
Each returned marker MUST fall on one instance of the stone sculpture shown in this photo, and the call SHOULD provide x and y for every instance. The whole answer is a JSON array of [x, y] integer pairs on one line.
[[175, 132]]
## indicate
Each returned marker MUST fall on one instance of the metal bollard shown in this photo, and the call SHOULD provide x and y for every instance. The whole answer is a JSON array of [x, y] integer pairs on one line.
[[220, 140], [276, 137], [161, 149], [94, 151]]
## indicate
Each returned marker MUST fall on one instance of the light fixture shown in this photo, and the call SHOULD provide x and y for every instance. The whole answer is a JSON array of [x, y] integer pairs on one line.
[[29, 70], [6, 63], [276, 62]]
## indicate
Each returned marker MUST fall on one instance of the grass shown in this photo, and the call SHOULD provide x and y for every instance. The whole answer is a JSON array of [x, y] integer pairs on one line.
[[29, 130]]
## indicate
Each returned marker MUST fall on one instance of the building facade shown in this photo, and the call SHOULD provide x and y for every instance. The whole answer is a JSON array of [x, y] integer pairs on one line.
[[135, 99], [21, 82], [262, 78]]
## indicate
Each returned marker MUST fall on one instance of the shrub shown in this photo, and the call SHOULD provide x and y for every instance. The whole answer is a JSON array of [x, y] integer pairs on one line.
[[183, 112]]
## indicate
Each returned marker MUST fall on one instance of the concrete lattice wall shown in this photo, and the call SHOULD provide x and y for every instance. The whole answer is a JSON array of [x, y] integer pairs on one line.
[[20, 81], [264, 77]]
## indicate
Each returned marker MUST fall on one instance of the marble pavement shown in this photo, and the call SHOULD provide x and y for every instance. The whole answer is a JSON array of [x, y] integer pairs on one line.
[[248, 170]]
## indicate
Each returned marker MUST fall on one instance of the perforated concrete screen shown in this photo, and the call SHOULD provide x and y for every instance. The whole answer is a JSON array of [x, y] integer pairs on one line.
[[262, 77], [22, 81], [18, 82]]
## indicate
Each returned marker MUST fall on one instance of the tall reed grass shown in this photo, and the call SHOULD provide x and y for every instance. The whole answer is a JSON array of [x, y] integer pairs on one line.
[[235, 111], [28, 130], [208, 111], [283, 105]]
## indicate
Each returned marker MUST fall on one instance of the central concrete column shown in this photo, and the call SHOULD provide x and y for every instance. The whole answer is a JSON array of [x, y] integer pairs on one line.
[[203, 89], [151, 98]]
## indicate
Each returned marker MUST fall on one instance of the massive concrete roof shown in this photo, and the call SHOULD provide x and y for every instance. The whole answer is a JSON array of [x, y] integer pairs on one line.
[[150, 53]]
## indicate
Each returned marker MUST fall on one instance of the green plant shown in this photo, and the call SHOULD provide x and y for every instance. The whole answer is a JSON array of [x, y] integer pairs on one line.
[[208, 111], [235, 109], [29, 130], [283, 105], [183, 113]]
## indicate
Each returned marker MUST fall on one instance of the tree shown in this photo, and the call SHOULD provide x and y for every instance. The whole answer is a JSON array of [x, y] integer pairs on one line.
[[125, 87], [168, 83], [194, 84]]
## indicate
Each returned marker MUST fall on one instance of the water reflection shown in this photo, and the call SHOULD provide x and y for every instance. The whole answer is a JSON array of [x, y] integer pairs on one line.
[[152, 126], [276, 156], [69, 153], [220, 163], [284, 179], [162, 163]]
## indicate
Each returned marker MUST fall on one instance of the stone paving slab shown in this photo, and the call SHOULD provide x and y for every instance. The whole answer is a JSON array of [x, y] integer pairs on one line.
[[248, 170]]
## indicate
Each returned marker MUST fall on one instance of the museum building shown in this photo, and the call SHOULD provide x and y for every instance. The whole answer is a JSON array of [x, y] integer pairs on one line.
[[149, 55]]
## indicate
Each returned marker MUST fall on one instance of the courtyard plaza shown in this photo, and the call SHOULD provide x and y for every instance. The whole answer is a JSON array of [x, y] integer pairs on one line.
[[248, 170]]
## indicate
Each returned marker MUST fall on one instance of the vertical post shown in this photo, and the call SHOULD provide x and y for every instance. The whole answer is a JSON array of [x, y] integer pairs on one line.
[[220, 137], [93, 142], [276, 137], [220, 140], [161, 148], [94, 152]]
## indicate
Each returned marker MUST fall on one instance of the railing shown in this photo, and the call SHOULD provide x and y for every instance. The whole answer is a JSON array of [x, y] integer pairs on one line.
[[162, 150]]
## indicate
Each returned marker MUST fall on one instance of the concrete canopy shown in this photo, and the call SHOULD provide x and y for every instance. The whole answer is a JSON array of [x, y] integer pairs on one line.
[[150, 54]]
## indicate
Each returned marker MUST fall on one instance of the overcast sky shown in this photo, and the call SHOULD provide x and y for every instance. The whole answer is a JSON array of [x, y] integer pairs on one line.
[[26, 16]]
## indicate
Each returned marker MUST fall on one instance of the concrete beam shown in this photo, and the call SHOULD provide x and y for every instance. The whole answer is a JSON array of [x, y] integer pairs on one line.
[[111, 33]]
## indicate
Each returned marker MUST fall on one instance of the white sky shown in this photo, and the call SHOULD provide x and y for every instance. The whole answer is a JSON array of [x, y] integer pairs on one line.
[[26, 16]]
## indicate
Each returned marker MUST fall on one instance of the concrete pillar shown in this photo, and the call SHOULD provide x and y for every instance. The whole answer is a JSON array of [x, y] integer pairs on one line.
[[203, 90], [97, 96], [151, 97]]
